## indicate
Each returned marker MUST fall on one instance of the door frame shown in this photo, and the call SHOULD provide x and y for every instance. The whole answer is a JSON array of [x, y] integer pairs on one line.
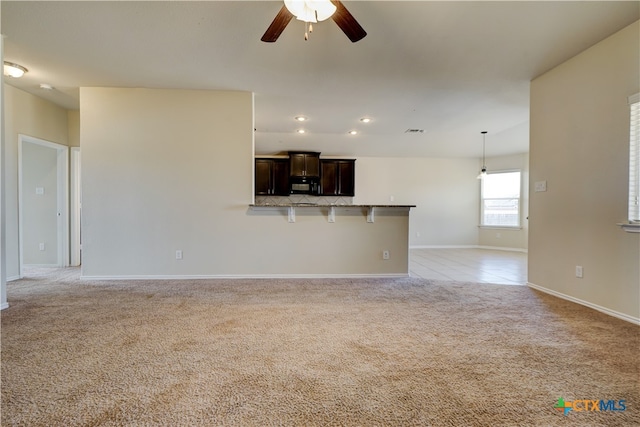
[[62, 169], [75, 208]]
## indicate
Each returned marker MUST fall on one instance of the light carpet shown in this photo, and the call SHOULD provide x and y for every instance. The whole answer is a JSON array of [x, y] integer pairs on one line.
[[362, 352]]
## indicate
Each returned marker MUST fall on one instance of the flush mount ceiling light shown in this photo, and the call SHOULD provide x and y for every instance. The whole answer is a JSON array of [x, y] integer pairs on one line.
[[483, 171], [300, 131], [365, 120], [353, 132], [301, 118], [46, 86], [14, 70]]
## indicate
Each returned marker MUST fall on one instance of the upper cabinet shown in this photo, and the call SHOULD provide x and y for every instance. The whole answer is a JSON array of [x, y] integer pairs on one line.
[[304, 173], [272, 177], [304, 164], [337, 177]]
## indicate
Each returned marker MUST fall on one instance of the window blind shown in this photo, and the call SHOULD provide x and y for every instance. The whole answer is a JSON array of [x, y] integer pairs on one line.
[[634, 159]]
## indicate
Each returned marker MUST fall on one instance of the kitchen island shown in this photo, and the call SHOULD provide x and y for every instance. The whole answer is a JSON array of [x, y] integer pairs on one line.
[[333, 240]]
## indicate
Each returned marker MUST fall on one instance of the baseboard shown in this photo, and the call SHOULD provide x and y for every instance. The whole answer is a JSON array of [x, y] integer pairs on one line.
[[41, 265], [444, 247], [597, 307], [4, 305], [493, 248], [502, 248], [252, 276], [12, 278]]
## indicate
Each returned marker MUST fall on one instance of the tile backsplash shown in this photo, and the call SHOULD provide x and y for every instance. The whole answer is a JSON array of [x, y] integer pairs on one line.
[[301, 198]]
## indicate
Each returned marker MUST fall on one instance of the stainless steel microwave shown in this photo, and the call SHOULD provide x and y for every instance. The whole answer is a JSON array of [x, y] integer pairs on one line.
[[304, 186]]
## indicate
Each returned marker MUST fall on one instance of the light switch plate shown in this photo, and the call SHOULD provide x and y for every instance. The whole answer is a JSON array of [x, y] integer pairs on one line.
[[540, 186]]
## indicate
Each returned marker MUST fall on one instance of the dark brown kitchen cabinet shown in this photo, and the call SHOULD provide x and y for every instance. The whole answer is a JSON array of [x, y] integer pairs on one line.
[[337, 177], [272, 177], [304, 164]]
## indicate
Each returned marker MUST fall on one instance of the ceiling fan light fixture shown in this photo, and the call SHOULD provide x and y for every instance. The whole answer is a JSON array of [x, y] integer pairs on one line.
[[324, 9], [310, 10], [14, 70]]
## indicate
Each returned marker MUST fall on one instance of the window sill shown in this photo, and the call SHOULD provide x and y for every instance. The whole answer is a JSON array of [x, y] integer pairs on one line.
[[630, 227]]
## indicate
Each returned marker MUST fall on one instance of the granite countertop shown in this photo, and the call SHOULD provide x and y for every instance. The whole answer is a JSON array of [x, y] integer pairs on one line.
[[314, 205]]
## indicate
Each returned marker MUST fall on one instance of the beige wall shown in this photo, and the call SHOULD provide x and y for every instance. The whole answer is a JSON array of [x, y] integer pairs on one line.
[[445, 192], [167, 170], [505, 238], [28, 115], [580, 146]]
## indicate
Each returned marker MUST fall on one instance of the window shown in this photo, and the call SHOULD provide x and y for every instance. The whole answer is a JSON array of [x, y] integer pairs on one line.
[[500, 198], [634, 159]]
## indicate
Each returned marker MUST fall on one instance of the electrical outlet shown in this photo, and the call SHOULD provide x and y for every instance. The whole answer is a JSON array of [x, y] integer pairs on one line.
[[178, 254], [386, 255], [579, 271]]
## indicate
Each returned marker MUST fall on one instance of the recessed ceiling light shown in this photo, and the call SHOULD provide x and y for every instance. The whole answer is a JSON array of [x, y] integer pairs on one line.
[[301, 118], [365, 120], [300, 131], [353, 132]]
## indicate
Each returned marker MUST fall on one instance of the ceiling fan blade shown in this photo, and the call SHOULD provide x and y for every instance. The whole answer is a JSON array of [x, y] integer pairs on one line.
[[277, 26], [347, 22]]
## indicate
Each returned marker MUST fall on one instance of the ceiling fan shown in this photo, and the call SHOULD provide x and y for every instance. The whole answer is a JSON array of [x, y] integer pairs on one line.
[[301, 11]]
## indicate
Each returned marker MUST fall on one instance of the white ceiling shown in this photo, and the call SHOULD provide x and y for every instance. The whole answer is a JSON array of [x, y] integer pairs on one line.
[[451, 68]]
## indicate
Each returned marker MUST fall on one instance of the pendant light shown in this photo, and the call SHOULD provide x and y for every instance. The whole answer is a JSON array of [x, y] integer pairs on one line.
[[483, 171]]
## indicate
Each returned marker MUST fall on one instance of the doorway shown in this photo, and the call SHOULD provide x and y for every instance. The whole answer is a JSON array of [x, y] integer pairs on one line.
[[43, 200]]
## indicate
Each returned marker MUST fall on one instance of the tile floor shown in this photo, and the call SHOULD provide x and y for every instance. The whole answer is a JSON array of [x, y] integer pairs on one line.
[[470, 265]]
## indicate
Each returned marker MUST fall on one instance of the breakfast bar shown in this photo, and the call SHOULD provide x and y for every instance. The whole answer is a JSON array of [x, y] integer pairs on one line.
[[330, 210]]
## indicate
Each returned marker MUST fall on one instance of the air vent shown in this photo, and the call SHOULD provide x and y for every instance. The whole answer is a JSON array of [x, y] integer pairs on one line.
[[414, 131]]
